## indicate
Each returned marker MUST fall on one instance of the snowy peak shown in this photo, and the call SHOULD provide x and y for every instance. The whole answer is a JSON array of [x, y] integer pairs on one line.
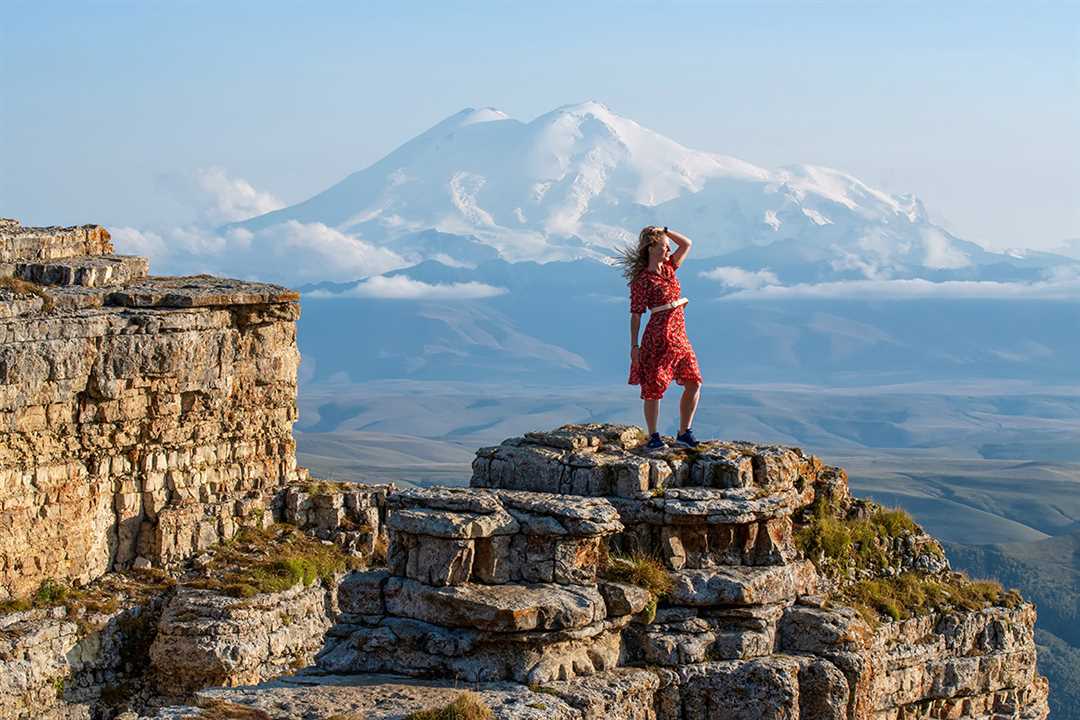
[[581, 179], [471, 116], [841, 188]]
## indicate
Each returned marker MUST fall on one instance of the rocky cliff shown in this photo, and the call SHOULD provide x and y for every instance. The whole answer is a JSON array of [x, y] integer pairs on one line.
[[143, 417], [163, 557]]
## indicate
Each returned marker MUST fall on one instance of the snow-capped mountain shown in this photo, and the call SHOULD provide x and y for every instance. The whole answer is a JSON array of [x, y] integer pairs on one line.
[[581, 180]]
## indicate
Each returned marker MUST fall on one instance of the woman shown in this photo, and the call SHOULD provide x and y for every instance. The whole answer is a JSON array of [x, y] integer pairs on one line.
[[665, 352]]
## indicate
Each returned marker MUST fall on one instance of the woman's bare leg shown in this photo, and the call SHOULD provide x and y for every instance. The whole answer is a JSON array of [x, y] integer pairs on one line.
[[688, 405], [652, 413]]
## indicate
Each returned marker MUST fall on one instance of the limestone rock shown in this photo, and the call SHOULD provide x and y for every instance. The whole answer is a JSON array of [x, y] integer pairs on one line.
[[496, 608], [90, 272], [447, 536], [135, 431], [207, 639], [50, 243], [349, 514], [616, 695], [743, 585]]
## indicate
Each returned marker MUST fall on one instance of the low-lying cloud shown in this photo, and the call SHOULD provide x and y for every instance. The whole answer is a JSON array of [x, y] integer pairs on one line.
[[291, 252], [1059, 287], [215, 197], [232, 198], [736, 277], [403, 287]]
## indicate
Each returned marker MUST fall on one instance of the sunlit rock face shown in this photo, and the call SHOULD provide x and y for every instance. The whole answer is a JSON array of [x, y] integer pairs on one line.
[[145, 418]]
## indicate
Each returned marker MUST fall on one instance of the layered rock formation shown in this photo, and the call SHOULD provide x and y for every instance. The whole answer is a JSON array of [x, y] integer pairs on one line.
[[486, 586], [530, 576], [143, 417], [742, 632]]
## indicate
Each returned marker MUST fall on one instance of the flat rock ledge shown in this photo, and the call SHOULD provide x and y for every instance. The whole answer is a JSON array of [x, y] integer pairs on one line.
[[621, 694]]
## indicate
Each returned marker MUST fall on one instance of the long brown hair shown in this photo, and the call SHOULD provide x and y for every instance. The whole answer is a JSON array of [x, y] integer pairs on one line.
[[632, 259]]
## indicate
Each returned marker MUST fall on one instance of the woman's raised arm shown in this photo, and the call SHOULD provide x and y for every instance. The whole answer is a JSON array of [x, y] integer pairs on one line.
[[684, 244]]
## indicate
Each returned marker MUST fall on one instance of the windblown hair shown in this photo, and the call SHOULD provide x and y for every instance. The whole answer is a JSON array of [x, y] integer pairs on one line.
[[633, 260]]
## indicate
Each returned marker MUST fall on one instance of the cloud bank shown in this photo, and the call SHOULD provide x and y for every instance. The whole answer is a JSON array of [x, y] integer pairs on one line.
[[232, 198], [1062, 286], [403, 287], [290, 253]]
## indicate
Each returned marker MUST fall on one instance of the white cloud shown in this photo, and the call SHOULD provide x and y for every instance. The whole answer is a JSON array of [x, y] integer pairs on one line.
[[1062, 287], [291, 252], [231, 198], [738, 278], [941, 254], [130, 241], [1070, 248], [402, 287]]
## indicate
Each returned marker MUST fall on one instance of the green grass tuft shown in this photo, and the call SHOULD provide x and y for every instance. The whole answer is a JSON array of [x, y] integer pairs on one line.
[[913, 594], [857, 553], [840, 545], [273, 560]]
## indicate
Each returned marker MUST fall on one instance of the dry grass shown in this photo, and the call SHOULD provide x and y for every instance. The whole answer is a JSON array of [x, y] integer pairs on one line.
[[22, 287], [639, 569], [223, 710], [317, 488], [467, 706], [88, 607]]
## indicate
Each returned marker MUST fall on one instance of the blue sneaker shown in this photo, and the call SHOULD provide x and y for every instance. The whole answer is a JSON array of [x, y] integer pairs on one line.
[[686, 439], [655, 442]]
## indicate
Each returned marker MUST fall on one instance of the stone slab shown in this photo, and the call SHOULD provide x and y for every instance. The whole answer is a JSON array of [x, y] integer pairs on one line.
[[88, 271], [496, 608], [743, 585], [199, 291], [50, 243]]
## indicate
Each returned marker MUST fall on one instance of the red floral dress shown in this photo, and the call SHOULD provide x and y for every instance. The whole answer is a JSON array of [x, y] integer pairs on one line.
[[666, 352]]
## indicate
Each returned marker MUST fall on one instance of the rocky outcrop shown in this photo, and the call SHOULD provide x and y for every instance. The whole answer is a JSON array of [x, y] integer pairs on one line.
[[974, 664], [76, 660], [33, 650], [742, 633], [351, 515], [518, 579], [143, 417], [485, 585], [207, 639]]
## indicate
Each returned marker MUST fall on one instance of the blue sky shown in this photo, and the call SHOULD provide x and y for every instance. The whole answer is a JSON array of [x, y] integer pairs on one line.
[[975, 107]]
